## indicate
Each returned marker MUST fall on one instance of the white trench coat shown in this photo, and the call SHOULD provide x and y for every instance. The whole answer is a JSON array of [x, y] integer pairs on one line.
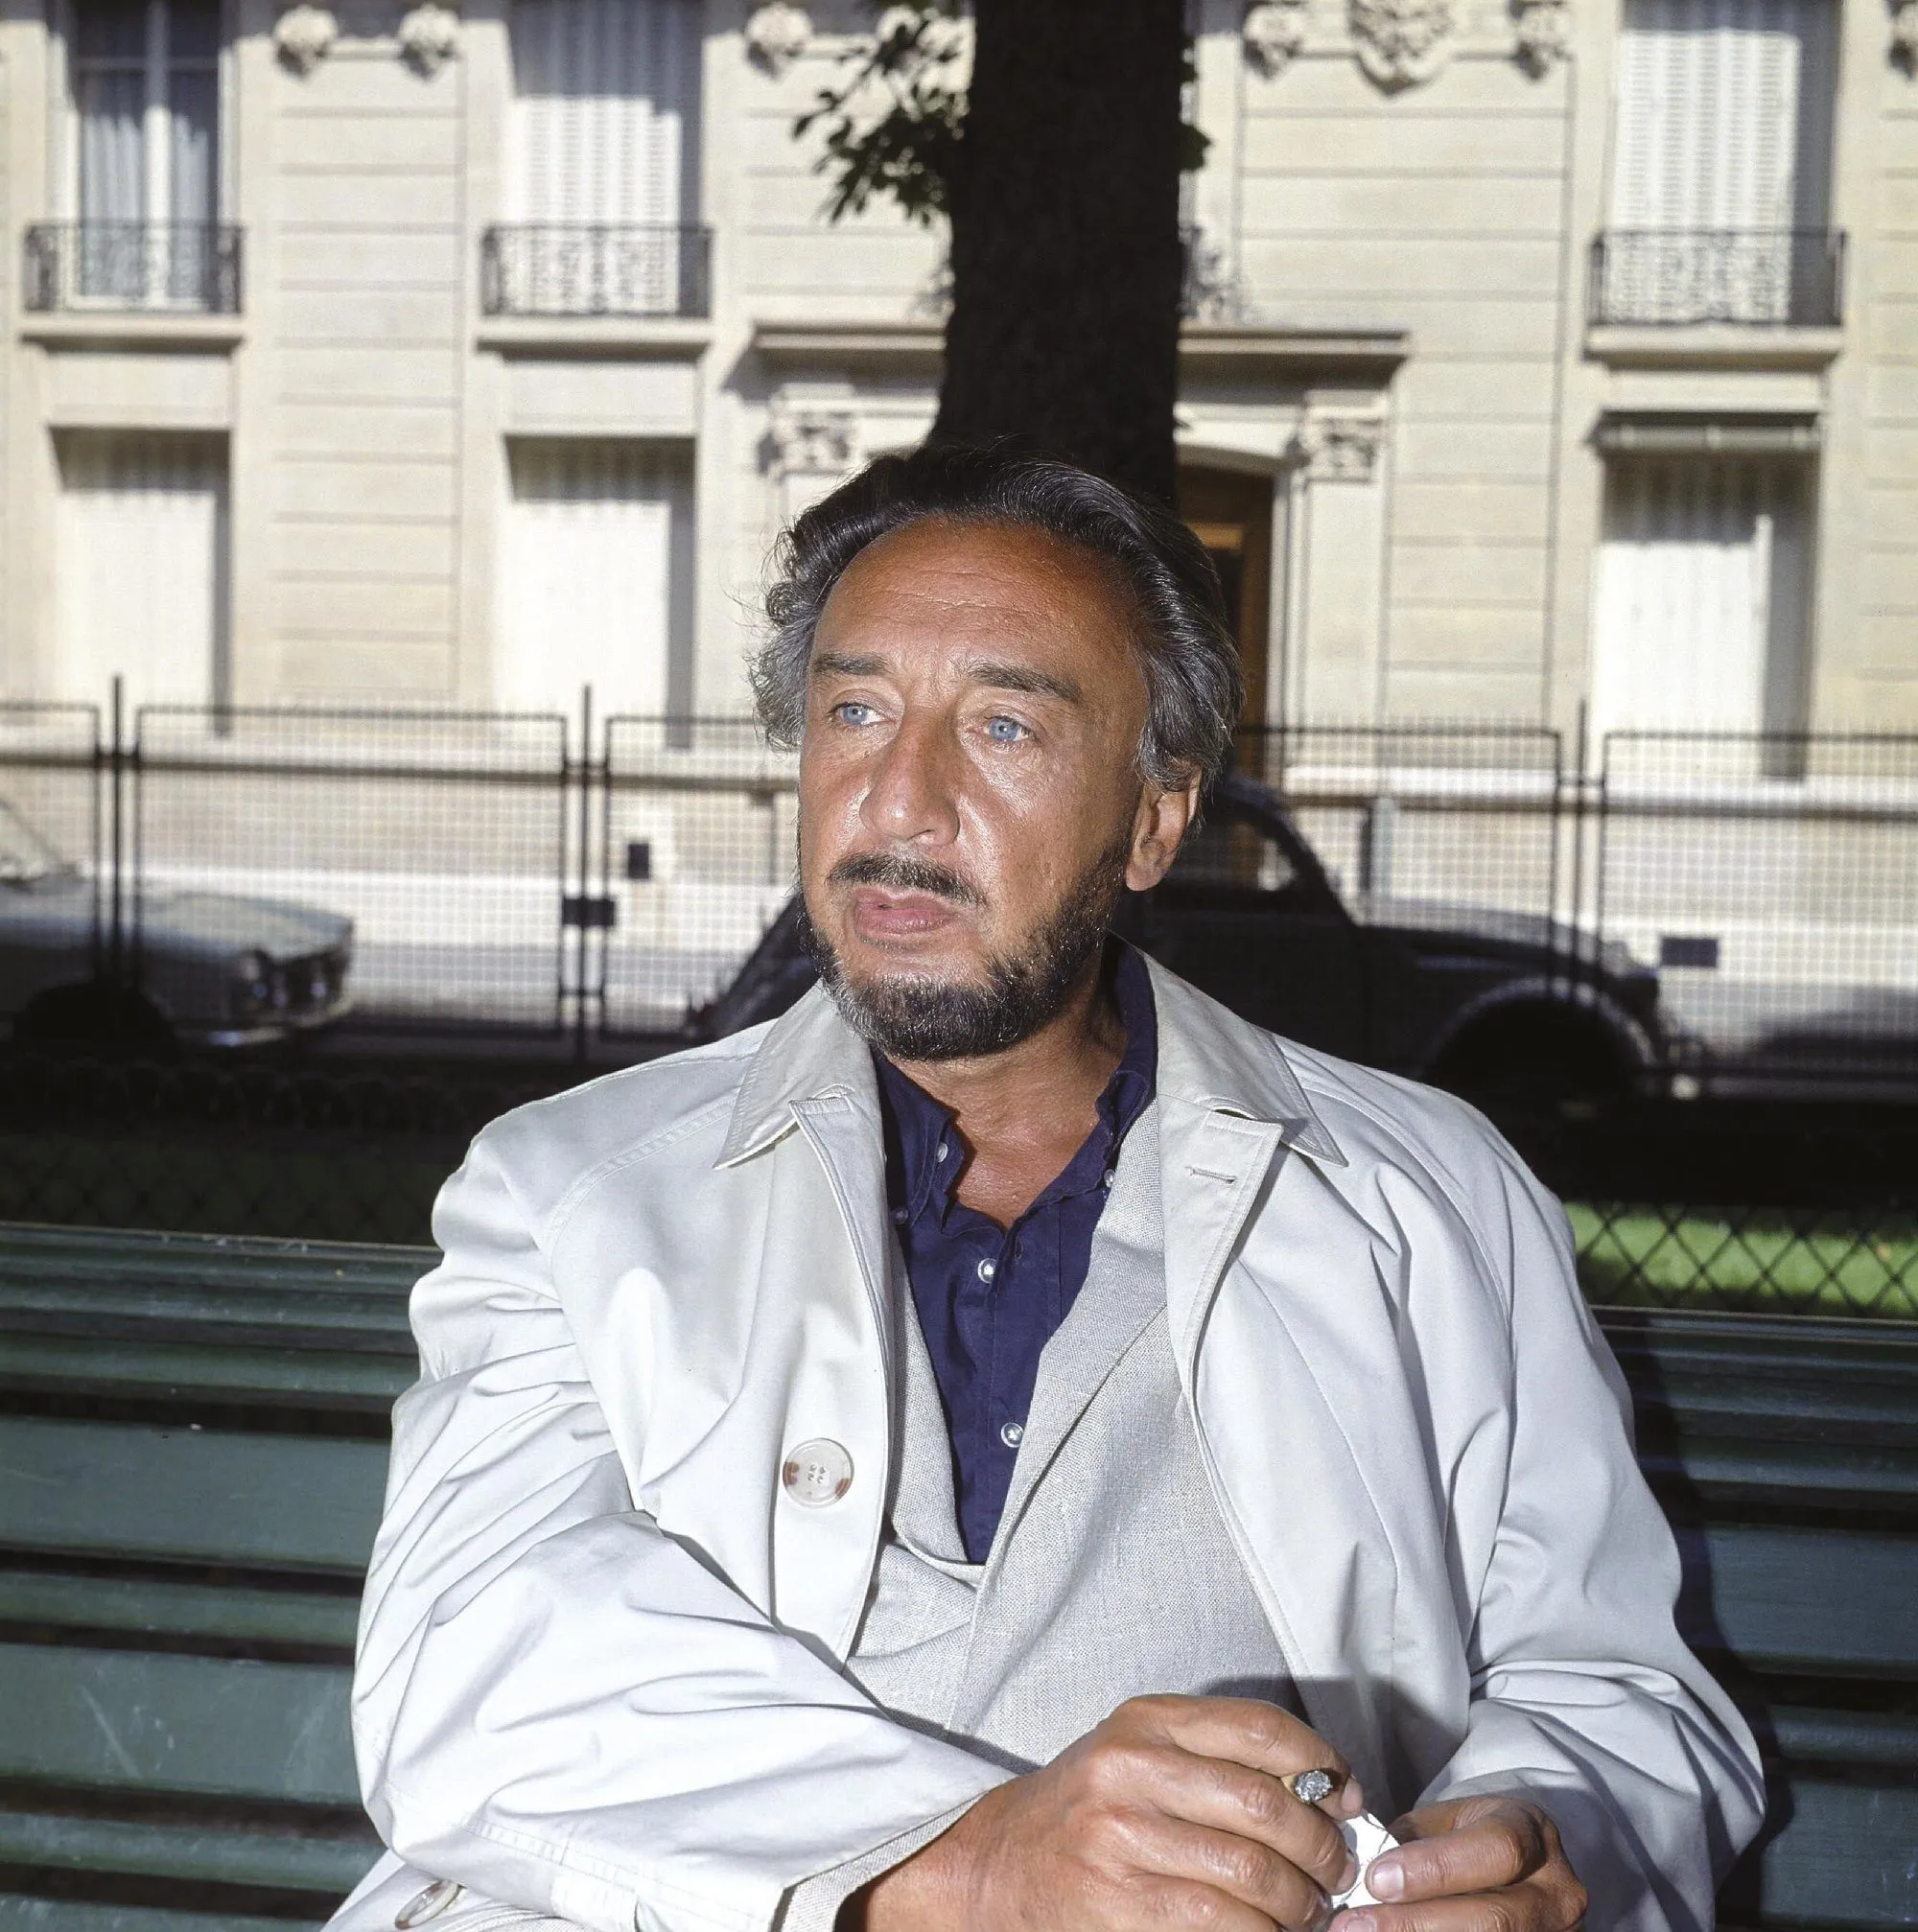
[[598, 1658]]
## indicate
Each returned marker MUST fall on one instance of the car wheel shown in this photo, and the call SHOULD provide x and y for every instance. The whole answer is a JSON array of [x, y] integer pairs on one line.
[[1534, 1059], [93, 1016]]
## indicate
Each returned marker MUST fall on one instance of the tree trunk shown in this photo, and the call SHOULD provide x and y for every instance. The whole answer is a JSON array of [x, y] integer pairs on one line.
[[1065, 252]]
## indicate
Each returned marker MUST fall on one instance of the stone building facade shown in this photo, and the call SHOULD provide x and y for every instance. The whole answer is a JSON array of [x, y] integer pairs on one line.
[[1547, 358]]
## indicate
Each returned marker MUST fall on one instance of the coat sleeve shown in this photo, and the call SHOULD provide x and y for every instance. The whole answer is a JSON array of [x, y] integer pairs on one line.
[[1585, 1695], [555, 1703]]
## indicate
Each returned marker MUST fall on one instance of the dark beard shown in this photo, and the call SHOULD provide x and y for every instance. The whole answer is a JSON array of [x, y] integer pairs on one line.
[[911, 1018]]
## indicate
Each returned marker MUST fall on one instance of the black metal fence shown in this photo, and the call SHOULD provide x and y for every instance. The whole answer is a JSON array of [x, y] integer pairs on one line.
[[1659, 276], [598, 269], [133, 264], [253, 1146], [605, 880]]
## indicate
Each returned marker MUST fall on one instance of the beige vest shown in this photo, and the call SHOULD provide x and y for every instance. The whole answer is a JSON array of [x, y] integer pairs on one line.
[[1112, 1574]]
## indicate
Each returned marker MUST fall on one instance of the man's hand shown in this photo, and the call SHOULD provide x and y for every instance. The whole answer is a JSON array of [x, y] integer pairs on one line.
[[1171, 1813], [1472, 1865]]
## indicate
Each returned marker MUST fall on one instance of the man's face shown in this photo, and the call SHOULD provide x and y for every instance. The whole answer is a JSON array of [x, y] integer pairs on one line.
[[970, 798]]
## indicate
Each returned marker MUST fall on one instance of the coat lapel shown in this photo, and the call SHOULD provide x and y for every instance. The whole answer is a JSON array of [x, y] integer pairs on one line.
[[1282, 1366]]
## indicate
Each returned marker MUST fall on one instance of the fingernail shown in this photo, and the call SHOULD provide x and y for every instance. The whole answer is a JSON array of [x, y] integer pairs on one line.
[[1386, 1879], [1349, 1876], [1357, 1921], [1351, 1798]]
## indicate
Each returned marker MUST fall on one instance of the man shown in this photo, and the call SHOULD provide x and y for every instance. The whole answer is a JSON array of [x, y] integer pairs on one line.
[[948, 1459]]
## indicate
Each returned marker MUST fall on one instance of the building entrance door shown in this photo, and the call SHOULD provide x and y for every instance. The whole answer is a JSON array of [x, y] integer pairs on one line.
[[1230, 512]]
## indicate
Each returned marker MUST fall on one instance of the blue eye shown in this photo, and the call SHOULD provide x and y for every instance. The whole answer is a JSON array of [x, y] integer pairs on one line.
[[853, 713], [1005, 730]]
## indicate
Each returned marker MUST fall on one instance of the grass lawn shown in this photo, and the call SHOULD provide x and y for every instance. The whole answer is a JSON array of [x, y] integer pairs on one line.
[[1762, 1260]]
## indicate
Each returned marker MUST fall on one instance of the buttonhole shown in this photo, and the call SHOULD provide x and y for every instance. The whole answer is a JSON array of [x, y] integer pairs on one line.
[[1213, 1173]]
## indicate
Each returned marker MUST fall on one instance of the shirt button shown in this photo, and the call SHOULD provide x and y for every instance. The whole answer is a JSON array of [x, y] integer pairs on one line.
[[986, 1270], [940, 1151], [1107, 1179], [1012, 1434], [427, 1904], [817, 1473], [899, 1217]]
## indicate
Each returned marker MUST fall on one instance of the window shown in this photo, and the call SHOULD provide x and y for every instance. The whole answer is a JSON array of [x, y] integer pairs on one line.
[[141, 568], [1701, 606], [603, 142], [1720, 164], [145, 82], [597, 582]]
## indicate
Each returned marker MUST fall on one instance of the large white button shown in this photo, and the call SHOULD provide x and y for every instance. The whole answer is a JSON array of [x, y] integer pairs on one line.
[[427, 1904], [986, 1270], [1012, 1434], [817, 1473]]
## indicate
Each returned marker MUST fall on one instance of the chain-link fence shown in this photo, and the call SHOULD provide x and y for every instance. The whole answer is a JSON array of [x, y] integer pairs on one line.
[[1424, 825], [1774, 881], [440, 838], [318, 1154], [227, 867], [697, 856]]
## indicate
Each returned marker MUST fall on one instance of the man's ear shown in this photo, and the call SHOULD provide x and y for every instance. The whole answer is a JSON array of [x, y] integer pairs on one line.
[[1161, 822]]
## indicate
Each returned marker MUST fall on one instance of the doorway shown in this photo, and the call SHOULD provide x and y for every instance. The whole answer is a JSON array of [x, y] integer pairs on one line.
[[1230, 513]]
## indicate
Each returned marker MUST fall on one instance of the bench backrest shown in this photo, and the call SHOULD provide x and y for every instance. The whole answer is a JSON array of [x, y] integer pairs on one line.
[[192, 1443]]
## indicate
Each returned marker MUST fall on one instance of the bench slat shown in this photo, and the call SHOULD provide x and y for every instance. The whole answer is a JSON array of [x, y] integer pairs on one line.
[[202, 1373], [1802, 1472], [209, 1612], [1844, 1857], [191, 1495], [212, 1854], [19, 1914], [1802, 1600], [158, 1720]]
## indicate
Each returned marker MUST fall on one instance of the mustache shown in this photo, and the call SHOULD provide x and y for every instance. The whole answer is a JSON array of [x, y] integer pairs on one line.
[[902, 875]]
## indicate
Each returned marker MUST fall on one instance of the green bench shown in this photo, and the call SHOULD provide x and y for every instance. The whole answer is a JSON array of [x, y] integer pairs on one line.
[[193, 1440]]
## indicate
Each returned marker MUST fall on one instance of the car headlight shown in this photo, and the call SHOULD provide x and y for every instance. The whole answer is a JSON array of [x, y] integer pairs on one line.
[[251, 984]]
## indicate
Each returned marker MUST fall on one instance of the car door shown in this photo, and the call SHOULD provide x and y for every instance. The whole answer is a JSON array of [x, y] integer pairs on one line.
[[1248, 916]]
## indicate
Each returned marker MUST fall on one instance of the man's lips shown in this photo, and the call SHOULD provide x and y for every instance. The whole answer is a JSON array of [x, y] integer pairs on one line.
[[879, 915]]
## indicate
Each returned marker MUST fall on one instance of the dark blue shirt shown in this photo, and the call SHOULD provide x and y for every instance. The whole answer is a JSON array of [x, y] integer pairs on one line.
[[989, 1298]]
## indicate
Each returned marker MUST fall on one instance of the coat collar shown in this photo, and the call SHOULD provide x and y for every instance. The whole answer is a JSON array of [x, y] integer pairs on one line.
[[1208, 1058]]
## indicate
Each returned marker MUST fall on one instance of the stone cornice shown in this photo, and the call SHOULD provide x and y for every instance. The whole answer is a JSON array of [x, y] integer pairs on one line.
[[1225, 350]]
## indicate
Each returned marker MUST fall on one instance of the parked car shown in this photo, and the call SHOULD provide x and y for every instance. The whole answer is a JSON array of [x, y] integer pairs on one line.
[[1496, 1004], [206, 968]]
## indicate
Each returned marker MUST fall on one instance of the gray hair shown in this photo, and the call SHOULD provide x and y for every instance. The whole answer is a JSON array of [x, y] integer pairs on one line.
[[1194, 688]]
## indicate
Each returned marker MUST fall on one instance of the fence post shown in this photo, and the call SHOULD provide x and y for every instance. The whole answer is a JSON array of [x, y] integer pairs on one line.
[[116, 852], [583, 771]]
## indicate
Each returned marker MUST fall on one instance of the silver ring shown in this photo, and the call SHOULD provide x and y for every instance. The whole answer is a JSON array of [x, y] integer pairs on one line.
[[1310, 1787]]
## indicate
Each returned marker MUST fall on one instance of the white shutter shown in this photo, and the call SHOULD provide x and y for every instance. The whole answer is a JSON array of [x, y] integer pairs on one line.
[[605, 95], [141, 567], [595, 565], [1723, 118], [1685, 635]]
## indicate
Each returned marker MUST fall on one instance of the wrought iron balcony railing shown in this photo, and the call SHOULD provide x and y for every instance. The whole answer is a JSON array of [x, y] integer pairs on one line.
[[600, 270], [1778, 276], [134, 265]]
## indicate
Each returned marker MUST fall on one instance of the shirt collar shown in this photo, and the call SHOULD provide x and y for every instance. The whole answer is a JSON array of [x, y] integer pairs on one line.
[[1208, 1058]]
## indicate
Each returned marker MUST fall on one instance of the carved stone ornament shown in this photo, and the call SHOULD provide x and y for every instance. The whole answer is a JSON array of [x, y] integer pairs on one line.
[[1273, 31], [429, 38], [813, 439], [303, 37], [1905, 37], [1400, 43], [1338, 448], [1544, 35], [777, 35]]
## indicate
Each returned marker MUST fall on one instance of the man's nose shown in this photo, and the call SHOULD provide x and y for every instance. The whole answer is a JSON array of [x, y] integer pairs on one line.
[[913, 793]]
